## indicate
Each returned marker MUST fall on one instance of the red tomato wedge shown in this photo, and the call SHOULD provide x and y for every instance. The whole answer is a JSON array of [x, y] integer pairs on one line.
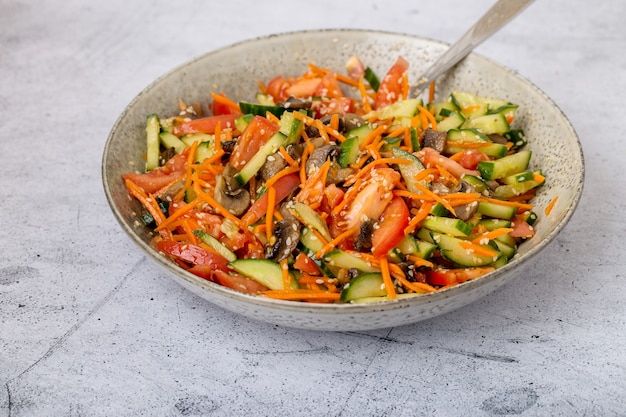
[[192, 254], [153, 181], [258, 131], [329, 86], [391, 226], [238, 282], [206, 124], [277, 88], [455, 276], [470, 158], [521, 228], [303, 88], [284, 186], [390, 89]]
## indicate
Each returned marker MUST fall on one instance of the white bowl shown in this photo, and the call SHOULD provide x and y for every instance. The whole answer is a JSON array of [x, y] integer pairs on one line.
[[235, 71]]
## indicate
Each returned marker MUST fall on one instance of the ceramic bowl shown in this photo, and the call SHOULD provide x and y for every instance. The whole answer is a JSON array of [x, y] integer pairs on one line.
[[235, 71]]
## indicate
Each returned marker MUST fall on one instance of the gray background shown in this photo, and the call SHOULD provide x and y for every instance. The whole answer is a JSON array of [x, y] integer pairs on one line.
[[90, 327]]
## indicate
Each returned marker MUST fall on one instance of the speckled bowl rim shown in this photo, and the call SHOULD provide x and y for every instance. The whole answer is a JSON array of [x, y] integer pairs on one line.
[[191, 281]]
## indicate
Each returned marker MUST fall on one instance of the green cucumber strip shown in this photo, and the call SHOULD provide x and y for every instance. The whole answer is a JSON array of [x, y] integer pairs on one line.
[[365, 285], [264, 272], [153, 128], [216, 245]]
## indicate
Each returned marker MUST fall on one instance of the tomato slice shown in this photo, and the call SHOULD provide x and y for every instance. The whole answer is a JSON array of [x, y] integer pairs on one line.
[[521, 228], [284, 186], [192, 254], [218, 108], [238, 282], [206, 124], [470, 158], [258, 131], [329, 86], [390, 89], [455, 276], [324, 107], [304, 87], [153, 181], [305, 264], [391, 227], [277, 88]]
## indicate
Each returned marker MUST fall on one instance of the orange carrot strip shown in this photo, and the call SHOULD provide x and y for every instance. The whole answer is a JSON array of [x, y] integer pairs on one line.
[[221, 98], [538, 178], [551, 205], [217, 206], [507, 203], [429, 117], [269, 216], [418, 287], [177, 214], [479, 250], [418, 218], [367, 106], [189, 166], [372, 135], [310, 295], [420, 261], [384, 267], [433, 195], [431, 92], [285, 171], [287, 157], [149, 202], [334, 242], [284, 269], [491, 235]]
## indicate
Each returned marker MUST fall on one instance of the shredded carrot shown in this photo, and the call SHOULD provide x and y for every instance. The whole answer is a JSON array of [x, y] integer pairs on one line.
[[364, 96], [149, 202], [384, 266], [417, 287], [418, 217], [177, 214], [420, 261], [333, 243], [218, 137], [283, 172], [431, 92], [429, 117], [292, 162], [222, 99], [551, 205], [425, 173], [477, 249], [507, 203], [538, 178], [284, 269], [380, 129], [218, 207], [269, 216], [262, 87], [434, 196], [491, 235], [310, 295], [405, 86]]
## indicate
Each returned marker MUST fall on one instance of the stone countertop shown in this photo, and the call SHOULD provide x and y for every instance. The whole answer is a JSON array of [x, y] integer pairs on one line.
[[90, 327]]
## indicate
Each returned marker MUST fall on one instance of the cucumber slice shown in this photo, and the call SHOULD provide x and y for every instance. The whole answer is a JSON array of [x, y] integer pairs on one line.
[[264, 272], [402, 108], [451, 249], [495, 150], [453, 121], [348, 151], [371, 78], [511, 190], [447, 225], [488, 124], [412, 246], [442, 109], [291, 127], [495, 210], [260, 109], [256, 162], [216, 245], [469, 104], [169, 140], [242, 122], [410, 170], [340, 259], [312, 219], [204, 150], [153, 129], [503, 167], [479, 185], [493, 224], [365, 285]]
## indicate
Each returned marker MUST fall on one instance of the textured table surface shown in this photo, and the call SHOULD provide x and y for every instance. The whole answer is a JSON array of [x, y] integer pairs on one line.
[[90, 327]]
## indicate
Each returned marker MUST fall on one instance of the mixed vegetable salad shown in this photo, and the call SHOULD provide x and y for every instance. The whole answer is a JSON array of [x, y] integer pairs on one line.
[[336, 188]]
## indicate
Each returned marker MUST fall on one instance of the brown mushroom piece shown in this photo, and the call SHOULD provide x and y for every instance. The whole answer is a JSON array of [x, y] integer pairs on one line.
[[276, 162], [235, 201], [465, 211], [434, 139], [364, 239], [287, 235], [497, 138], [319, 156], [293, 103]]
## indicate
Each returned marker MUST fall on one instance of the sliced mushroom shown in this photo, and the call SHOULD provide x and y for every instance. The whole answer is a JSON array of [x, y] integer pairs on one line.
[[319, 156], [235, 202], [434, 139], [287, 235], [465, 211], [294, 103], [497, 138], [364, 239]]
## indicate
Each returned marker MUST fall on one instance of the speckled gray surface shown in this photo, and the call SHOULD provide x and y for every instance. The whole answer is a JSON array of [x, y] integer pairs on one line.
[[90, 326]]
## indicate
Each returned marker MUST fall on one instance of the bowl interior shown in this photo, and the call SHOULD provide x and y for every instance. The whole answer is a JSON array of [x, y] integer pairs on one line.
[[235, 70]]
